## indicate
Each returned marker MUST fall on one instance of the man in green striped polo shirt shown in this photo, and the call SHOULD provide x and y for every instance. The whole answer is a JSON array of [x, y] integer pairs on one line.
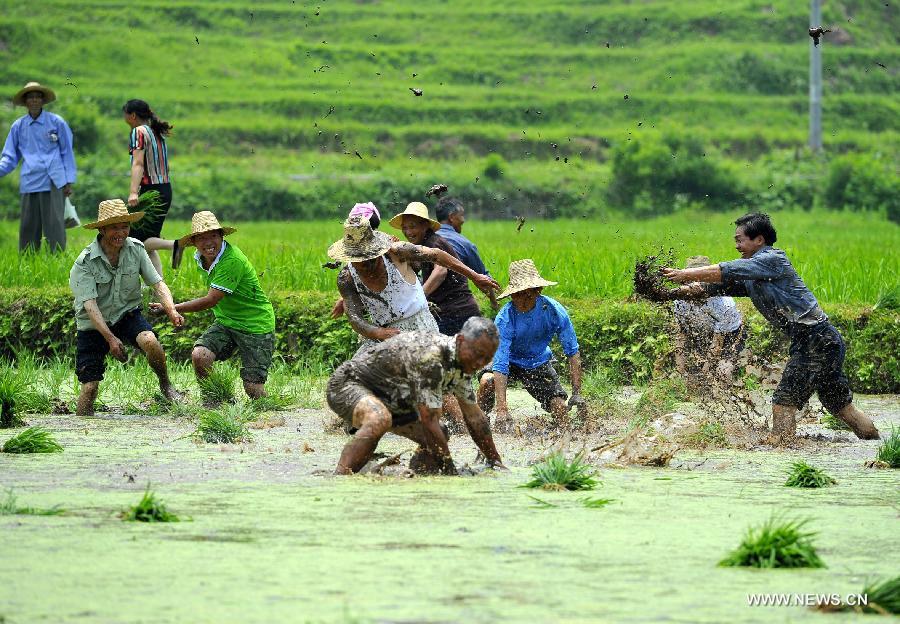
[[245, 320]]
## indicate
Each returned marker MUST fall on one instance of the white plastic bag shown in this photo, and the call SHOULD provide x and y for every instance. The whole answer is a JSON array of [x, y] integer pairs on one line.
[[71, 216]]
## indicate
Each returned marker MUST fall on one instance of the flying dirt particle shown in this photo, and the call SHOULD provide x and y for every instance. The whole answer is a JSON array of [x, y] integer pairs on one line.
[[626, 96], [640, 123], [416, 92], [414, 75], [197, 39], [521, 221], [476, 179], [437, 190], [881, 65], [607, 44], [330, 110], [593, 87], [816, 32], [251, 16], [358, 155], [554, 145]]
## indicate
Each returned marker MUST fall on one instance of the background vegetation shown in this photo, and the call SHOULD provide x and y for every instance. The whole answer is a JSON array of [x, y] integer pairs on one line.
[[531, 107]]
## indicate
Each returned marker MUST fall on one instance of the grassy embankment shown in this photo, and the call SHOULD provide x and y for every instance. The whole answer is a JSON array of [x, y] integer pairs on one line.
[[531, 81]]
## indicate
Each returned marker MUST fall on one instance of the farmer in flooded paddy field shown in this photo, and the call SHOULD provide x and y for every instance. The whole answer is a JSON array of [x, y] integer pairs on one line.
[[766, 275], [398, 387], [527, 325], [378, 282], [106, 283], [245, 319], [452, 215], [710, 336]]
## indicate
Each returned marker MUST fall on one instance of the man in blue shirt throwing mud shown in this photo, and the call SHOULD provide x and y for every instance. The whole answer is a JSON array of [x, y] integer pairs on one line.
[[817, 350], [527, 325]]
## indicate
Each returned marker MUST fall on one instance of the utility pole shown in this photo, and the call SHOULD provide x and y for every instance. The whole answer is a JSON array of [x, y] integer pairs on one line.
[[815, 80]]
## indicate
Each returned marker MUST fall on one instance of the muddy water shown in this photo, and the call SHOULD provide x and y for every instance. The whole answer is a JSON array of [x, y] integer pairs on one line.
[[272, 539]]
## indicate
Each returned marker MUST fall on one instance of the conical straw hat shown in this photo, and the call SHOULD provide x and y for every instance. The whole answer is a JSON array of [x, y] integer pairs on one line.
[[522, 276], [203, 221], [19, 97], [416, 209], [360, 242], [113, 211]]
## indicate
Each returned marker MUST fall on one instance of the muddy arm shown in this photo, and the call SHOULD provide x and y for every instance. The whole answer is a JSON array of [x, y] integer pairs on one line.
[[434, 437], [355, 310], [480, 430], [711, 274], [416, 253]]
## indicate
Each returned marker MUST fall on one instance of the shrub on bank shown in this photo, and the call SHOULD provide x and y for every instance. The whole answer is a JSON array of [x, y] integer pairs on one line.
[[629, 340]]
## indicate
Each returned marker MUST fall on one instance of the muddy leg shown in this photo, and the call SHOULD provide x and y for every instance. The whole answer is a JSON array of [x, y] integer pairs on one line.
[[452, 413], [372, 420], [86, 398], [480, 430], [157, 359], [861, 424], [203, 360], [254, 390], [784, 424]]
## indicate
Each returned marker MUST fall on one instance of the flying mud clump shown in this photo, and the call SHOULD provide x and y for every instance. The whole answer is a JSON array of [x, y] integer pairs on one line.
[[649, 282]]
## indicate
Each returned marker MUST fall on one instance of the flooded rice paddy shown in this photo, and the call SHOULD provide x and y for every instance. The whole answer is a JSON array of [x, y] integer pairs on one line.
[[270, 536]]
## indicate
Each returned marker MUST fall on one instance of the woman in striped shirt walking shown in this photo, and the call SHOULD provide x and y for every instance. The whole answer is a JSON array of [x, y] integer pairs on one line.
[[150, 172]]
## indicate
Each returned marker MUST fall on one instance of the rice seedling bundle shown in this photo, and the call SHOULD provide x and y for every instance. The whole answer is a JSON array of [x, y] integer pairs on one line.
[[555, 473], [226, 426], [803, 475], [149, 509], [889, 450], [777, 543], [32, 440]]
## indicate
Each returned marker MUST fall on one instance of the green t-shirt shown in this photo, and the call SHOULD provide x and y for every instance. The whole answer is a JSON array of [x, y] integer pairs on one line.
[[244, 307]]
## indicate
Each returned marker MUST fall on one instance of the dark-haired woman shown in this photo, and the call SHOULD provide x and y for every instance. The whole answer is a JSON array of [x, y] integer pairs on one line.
[[150, 172]]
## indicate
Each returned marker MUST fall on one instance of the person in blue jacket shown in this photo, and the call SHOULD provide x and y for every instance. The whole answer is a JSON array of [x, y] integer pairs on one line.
[[527, 324], [42, 141]]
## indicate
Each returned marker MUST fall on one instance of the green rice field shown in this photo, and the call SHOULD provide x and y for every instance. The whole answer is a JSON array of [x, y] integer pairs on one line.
[[843, 257]]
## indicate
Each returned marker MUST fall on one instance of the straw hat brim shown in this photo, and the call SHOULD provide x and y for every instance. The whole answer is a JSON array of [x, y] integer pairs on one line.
[[378, 247], [131, 217], [19, 97], [534, 283], [397, 221], [188, 241]]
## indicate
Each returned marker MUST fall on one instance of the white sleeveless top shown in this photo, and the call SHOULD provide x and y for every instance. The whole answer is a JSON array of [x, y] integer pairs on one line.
[[399, 299]]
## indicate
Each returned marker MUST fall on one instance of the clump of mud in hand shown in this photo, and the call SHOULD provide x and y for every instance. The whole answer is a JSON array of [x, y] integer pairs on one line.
[[649, 282]]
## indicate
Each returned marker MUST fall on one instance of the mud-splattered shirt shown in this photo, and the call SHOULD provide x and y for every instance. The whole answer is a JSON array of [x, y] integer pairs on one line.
[[411, 369], [453, 296], [774, 287]]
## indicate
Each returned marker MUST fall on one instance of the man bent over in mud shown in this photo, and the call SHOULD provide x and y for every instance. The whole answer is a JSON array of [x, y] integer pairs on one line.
[[765, 274], [106, 284], [397, 386]]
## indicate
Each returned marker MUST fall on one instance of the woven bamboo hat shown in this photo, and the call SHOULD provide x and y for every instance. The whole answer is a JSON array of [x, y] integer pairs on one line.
[[360, 242], [697, 261], [203, 221], [113, 211], [19, 97], [522, 276], [416, 209]]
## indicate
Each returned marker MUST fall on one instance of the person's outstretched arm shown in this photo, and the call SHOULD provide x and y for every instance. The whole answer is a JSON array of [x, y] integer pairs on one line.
[[416, 253]]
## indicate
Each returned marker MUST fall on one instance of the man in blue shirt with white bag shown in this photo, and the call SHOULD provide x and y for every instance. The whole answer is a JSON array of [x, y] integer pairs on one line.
[[527, 325], [43, 141]]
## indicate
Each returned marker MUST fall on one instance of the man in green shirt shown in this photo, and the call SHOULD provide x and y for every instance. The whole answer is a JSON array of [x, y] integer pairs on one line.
[[106, 282], [245, 320]]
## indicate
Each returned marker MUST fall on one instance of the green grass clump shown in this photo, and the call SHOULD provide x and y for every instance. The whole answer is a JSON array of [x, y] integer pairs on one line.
[[803, 475], [149, 509], [227, 425], [32, 440], [889, 451], [13, 387], [595, 503], [830, 421], [888, 299], [778, 543], [883, 596], [10, 507], [555, 473], [218, 386]]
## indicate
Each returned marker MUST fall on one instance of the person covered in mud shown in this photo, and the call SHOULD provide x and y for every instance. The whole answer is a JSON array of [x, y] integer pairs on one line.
[[106, 282], [766, 275], [710, 335], [527, 325], [444, 288], [398, 387], [452, 215], [244, 317], [378, 282]]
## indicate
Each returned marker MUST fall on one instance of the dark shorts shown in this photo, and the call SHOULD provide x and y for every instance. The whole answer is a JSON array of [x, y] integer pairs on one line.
[[344, 392], [91, 347], [815, 365], [450, 325], [542, 383], [256, 350], [151, 225]]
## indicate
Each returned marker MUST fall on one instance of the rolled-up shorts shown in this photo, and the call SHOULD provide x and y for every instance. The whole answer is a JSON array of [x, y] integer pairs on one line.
[[815, 365], [256, 350], [91, 347], [344, 392], [542, 383]]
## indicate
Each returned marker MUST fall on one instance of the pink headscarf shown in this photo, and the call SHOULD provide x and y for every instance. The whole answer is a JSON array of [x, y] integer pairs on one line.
[[365, 210]]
